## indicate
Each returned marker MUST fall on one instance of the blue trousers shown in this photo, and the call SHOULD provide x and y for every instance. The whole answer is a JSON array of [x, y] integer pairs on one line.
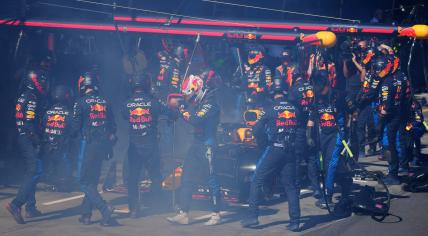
[[34, 169], [273, 160]]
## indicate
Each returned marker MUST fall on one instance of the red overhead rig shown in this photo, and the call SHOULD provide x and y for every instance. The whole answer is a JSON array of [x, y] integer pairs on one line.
[[158, 29], [299, 26]]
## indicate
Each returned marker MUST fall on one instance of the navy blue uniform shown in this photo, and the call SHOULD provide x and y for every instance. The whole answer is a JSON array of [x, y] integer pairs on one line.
[[199, 162], [302, 95], [93, 117], [57, 129], [279, 121], [28, 118], [390, 98], [142, 112], [331, 122], [257, 80]]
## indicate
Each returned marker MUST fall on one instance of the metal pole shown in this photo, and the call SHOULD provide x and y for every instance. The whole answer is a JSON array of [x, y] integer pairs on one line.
[[173, 172], [409, 74]]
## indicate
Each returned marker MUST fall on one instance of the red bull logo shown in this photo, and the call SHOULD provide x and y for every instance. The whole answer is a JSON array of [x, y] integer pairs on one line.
[[286, 115], [139, 112], [98, 107], [56, 118], [309, 94], [327, 116]]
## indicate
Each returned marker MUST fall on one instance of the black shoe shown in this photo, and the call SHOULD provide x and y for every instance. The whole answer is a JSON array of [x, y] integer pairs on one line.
[[316, 194], [15, 212], [249, 222], [343, 208], [391, 180], [321, 203], [293, 226], [33, 212], [371, 152], [109, 223], [85, 219], [134, 214], [107, 220]]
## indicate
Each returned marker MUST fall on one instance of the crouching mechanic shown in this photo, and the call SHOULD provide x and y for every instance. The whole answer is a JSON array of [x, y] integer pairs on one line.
[[329, 120], [203, 113], [280, 121], [93, 117], [141, 112]]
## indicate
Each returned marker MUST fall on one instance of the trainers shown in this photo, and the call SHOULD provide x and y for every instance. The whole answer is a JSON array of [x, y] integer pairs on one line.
[[181, 218], [403, 171], [317, 194], [321, 203], [391, 180], [31, 213], [249, 222], [15, 212], [214, 220], [106, 219], [134, 214], [293, 226], [85, 219]]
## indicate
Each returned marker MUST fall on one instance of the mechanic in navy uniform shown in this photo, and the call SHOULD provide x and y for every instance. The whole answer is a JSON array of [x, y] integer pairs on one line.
[[171, 61], [280, 121], [389, 109], [327, 120], [302, 95], [257, 78], [141, 112], [57, 131], [28, 114], [203, 113], [93, 117]]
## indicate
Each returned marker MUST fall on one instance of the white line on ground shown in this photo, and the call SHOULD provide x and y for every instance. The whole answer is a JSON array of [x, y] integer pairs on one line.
[[65, 199]]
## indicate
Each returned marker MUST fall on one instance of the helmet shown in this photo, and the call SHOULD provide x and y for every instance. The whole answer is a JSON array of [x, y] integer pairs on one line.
[[61, 94], [37, 81], [180, 52], [255, 55], [278, 87], [211, 79], [140, 83], [382, 66], [167, 44], [193, 88], [88, 80], [286, 55]]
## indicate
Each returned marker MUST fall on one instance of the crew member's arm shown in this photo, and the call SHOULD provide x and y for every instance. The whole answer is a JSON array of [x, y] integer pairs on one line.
[[310, 127], [386, 98], [360, 68], [77, 118], [111, 123], [206, 111]]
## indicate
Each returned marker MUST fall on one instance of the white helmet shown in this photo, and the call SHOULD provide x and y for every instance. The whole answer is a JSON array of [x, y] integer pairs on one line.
[[192, 88]]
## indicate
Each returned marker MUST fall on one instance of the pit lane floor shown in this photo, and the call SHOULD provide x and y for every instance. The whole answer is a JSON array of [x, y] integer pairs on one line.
[[408, 217]]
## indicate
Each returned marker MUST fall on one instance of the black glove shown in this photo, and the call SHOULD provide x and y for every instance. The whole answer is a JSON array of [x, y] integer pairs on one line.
[[309, 139], [35, 139], [350, 104]]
